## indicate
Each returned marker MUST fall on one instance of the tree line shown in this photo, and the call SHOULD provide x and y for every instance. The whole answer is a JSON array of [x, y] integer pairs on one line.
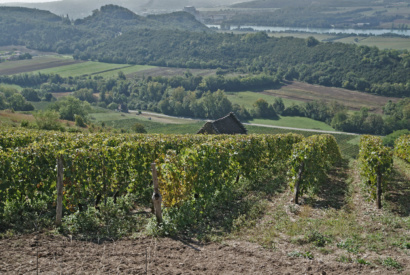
[[191, 96]]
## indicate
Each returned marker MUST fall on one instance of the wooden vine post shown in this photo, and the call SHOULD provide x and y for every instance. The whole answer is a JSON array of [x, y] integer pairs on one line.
[[379, 190], [59, 209], [156, 197], [298, 182]]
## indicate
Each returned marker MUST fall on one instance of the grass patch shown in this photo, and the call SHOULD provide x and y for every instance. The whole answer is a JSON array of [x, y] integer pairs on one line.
[[297, 254], [350, 245], [294, 122], [126, 121], [41, 105], [391, 263], [14, 119], [84, 68]]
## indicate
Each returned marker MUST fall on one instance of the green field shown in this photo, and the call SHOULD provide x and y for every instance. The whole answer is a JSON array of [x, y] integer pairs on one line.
[[93, 68], [41, 105], [79, 69], [66, 66], [153, 126], [398, 43], [295, 122], [248, 98]]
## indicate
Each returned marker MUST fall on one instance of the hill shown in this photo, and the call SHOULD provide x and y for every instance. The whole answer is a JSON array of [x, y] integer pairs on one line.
[[76, 9], [45, 31]]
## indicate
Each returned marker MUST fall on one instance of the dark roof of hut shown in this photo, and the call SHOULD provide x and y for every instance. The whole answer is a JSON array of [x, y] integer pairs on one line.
[[229, 124]]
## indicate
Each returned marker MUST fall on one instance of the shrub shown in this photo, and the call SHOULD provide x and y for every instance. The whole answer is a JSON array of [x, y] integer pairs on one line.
[[139, 128], [47, 120], [27, 216], [79, 121]]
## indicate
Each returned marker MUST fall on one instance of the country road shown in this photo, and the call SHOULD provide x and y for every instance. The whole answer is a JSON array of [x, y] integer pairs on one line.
[[250, 124]]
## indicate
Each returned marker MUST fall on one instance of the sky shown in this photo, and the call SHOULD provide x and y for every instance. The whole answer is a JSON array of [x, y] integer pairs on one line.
[[26, 1]]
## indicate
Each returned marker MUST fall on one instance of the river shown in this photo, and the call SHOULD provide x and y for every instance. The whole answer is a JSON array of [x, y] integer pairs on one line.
[[321, 30]]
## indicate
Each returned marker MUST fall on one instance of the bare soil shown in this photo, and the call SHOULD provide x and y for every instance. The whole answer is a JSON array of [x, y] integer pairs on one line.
[[24, 68], [61, 255], [352, 99]]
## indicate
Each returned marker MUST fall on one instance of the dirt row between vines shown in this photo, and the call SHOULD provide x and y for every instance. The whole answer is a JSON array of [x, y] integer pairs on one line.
[[61, 255]]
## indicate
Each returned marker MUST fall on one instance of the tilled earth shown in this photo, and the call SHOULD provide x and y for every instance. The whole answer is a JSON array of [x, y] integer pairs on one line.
[[50, 254]]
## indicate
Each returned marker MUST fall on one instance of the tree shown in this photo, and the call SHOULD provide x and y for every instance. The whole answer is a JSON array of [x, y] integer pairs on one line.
[[30, 94], [278, 105], [263, 110], [216, 105], [85, 95], [374, 124], [79, 121], [293, 110], [112, 106], [311, 41], [3, 103], [121, 75], [339, 121], [70, 106], [18, 103], [241, 112], [47, 120]]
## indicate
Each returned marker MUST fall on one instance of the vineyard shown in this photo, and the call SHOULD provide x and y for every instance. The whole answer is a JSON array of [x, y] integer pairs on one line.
[[210, 186], [100, 166]]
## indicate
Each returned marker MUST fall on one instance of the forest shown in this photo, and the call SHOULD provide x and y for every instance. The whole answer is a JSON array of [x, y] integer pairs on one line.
[[116, 35]]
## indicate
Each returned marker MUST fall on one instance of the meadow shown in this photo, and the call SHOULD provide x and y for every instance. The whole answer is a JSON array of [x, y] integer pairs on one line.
[[381, 42]]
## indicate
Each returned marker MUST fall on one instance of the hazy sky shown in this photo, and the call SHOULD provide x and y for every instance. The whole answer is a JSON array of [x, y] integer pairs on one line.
[[26, 1]]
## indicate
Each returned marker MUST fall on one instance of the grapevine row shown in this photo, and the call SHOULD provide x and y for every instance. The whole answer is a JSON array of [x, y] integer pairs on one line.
[[402, 147], [375, 162], [98, 166], [310, 161]]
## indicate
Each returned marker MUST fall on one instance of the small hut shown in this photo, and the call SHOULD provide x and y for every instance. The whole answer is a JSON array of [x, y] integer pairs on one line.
[[229, 124]]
